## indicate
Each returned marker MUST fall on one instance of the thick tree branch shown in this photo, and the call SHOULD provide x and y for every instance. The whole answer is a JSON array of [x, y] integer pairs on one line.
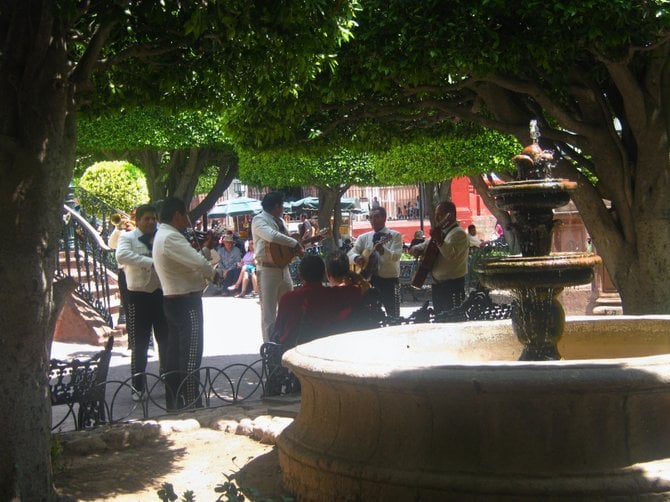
[[228, 170], [82, 72], [564, 117]]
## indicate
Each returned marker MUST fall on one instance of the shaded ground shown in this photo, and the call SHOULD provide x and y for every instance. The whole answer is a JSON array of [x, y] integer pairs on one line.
[[119, 464]]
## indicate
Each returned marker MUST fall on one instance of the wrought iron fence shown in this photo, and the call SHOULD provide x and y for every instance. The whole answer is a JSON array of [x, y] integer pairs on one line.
[[217, 387]]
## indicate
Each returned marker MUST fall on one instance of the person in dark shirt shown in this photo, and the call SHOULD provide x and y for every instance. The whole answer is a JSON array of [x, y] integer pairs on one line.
[[313, 310]]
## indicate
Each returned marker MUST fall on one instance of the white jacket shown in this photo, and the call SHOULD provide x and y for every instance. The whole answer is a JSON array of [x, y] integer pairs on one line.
[[135, 258], [181, 268]]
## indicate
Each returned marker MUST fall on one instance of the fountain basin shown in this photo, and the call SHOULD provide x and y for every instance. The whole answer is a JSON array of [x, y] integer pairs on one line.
[[445, 411], [557, 270], [541, 194]]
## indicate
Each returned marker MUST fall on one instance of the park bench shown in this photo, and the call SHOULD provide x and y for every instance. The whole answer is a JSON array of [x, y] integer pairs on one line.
[[79, 384]]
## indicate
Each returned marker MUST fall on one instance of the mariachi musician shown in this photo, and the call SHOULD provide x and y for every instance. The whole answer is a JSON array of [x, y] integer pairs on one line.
[[383, 247], [445, 257]]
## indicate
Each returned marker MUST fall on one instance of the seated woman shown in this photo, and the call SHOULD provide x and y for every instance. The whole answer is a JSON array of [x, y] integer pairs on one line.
[[228, 267], [248, 273], [313, 310]]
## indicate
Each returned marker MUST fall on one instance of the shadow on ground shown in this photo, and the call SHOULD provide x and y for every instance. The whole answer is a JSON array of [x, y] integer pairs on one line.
[[108, 473], [260, 479]]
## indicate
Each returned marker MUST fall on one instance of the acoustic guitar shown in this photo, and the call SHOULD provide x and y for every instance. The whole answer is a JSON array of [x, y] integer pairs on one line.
[[283, 255], [429, 256], [370, 262]]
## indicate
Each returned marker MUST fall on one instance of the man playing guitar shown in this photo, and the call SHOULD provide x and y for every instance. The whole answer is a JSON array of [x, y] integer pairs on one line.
[[273, 280], [451, 244], [387, 244]]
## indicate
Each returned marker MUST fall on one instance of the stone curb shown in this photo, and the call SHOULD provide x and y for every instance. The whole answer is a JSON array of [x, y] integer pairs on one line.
[[230, 419]]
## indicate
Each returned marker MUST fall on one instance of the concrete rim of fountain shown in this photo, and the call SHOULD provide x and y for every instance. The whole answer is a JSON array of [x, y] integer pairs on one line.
[[407, 421]]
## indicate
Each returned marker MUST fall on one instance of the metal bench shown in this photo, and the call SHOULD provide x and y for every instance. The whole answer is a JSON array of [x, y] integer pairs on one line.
[[478, 306], [79, 384], [407, 270], [277, 380]]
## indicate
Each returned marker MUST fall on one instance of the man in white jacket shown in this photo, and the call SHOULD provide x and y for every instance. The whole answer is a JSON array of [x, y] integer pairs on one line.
[[183, 273], [273, 280], [144, 297]]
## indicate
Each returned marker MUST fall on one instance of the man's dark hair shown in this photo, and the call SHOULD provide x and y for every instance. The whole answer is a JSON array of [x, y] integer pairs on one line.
[[337, 264], [380, 210], [170, 206], [471, 227], [271, 199], [312, 268], [449, 207], [144, 208]]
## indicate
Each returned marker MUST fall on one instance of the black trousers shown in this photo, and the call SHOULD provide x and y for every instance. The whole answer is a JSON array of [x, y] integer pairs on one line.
[[389, 291], [448, 294], [144, 313], [184, 352]]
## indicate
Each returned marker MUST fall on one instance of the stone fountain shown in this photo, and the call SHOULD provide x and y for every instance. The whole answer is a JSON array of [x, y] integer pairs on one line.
[[537, 276], [537, 408]]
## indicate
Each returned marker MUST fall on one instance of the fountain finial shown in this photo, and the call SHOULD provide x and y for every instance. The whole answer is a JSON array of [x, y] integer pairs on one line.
[[534, 163]]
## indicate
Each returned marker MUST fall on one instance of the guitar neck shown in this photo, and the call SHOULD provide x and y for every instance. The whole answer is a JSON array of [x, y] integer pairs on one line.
[[317, 237]]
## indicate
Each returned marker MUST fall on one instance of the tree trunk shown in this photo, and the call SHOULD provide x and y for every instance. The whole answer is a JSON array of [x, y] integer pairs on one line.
[[31, 202], [37, 140], [228, 170], [329, 205]]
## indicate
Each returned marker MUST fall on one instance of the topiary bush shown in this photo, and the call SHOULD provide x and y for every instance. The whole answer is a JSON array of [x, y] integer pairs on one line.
[[118, 183]]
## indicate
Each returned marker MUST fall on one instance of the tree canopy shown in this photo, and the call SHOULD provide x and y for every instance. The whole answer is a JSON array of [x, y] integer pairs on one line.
[[595, 74], [331, 171], [173, 148]]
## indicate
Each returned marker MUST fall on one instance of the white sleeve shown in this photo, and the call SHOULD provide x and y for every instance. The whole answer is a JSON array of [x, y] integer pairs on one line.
[[178, 249]]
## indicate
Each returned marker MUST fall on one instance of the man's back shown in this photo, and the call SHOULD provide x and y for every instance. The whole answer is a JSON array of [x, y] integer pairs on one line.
[[314, 310]]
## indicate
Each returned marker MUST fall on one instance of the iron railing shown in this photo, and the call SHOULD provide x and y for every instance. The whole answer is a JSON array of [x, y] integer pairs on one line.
[[95, 210], [84, 256]]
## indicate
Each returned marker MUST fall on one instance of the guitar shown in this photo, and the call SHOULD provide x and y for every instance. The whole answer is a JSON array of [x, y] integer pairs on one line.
[[429, 256], [283, 255], [370, 257]]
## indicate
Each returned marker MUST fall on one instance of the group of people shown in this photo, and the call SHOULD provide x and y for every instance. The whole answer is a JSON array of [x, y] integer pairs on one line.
[[166, 275], [375, 257], [236, 267]]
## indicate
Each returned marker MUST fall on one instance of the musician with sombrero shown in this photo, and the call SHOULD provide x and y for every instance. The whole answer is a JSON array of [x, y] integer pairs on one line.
[[447, 251], [377, 254]]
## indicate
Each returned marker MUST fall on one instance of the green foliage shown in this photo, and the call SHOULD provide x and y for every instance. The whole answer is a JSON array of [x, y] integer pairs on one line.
[[118, 183], [206, 180], [213, 53], [137, 128], [293, 169], [439, 159]]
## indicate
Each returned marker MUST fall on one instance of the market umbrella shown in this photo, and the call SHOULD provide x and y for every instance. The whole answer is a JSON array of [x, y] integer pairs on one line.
[[346, 203], [239, 206]]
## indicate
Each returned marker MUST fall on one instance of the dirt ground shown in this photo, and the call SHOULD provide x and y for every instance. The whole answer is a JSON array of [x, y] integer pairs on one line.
[[196, 460]]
